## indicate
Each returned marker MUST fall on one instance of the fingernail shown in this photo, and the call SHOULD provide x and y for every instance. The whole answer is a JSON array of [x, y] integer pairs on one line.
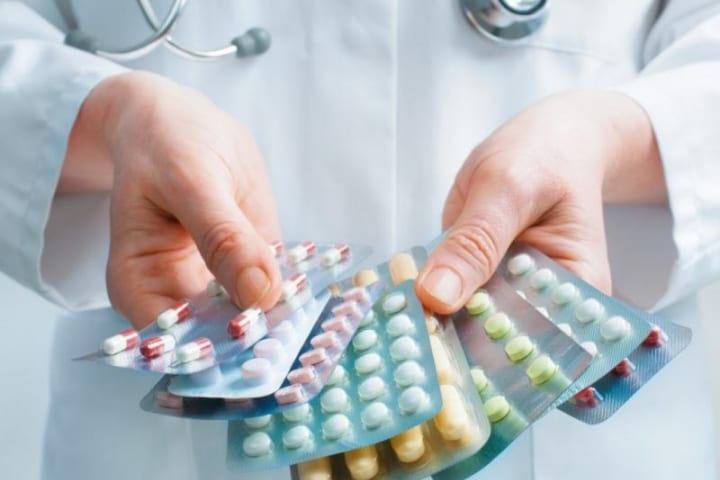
[[444, 284], [253, 284]]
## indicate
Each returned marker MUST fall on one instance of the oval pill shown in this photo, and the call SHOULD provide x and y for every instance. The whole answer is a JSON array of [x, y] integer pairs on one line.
[[520, 264], [290, 394], [336, 426], [393, 303], [368, 319], [479, 379], [541, 370], [399, 324], [409, 373], [614, 328], [334, 400], [497, 325], [125, 340], [371, 388], [404, 348], [297, 437], [313, 357], [479, 303], [257, 444], [412, 400], [368, 363], [337, 375], [365, 339], [497, 408], [302, 375], [588, 311], [542, 279], [326, 340], [375, 415], [258, 422], [564, 293], [519, 348], [296, 414]]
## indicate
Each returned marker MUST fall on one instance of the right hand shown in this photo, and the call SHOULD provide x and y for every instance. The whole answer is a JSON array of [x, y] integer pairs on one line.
[[190, 197]]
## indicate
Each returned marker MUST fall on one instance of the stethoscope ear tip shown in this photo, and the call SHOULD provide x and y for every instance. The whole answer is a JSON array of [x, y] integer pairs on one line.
[[255, 41]]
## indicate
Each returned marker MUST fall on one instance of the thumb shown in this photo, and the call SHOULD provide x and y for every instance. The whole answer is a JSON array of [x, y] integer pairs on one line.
[[492, 215], [232, 248]]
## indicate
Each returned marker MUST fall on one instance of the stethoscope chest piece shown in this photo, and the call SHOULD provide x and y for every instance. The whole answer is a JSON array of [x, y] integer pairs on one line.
[[506, 20]]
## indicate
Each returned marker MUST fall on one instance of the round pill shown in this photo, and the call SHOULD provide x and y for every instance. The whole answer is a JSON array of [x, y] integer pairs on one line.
[[614, 328], [478, 303], [479, 379], [297, 437], [297, 414], [336, 426], [519, 348], [283, 331], [497, 325], [588, 311], [590, 347], [409, 373], [541, 370], [375, 415], [412, 400], [270, 348], [565, 328], [404, 348], [258, 422], [371, 388], [393, 303], [257, 444], [365, 339], [368, 319], [334, 400], [256, 369], [497, 408], [337, 375], [399, 324], [542, 279], [368, 363], [564, 293], [520, 264]]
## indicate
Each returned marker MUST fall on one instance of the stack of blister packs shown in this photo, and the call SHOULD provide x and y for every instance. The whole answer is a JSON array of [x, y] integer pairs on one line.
[[348, 377]]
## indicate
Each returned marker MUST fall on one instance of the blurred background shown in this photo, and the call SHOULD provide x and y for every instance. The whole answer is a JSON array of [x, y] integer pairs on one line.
[[28, 327]]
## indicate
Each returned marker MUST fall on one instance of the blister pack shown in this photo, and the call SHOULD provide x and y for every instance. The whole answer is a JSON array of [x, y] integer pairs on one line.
[[521, 363], [207, 330], [458, 430], [383, 385], [606, 328], [600, 401]]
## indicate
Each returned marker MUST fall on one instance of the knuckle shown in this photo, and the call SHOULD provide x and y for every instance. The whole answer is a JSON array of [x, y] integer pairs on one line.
[[474, 243]]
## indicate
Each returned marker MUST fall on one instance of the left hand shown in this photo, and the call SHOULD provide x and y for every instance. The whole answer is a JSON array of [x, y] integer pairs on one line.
[[541, 179]]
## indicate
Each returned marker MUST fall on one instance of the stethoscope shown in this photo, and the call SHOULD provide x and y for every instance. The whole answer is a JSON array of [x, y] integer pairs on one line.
[[504, 21]]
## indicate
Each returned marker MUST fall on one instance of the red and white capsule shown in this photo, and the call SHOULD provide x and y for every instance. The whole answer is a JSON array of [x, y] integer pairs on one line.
[[125, 340], [302, 252], [334, 255], [178, 312], [155, 346], [656, 338], [189, 352], [293, 285], [276, 248], [624, 369], [588, 397], [240, 324]]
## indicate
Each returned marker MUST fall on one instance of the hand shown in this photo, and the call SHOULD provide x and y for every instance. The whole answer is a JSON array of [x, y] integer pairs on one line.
[[541, 179], [190, 196]]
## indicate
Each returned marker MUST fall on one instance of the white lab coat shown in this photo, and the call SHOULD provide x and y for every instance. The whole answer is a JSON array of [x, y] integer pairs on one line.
[[364, 111]]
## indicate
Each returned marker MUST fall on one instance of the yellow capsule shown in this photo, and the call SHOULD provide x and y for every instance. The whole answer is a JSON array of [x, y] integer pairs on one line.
[[362, 463], [409, 445], [402, 267], [452, 420], [445, 371], [364, 278], [318, 469]]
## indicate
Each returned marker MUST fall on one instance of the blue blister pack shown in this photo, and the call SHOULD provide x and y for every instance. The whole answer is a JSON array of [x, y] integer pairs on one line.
[[607, 328], [207, 330]]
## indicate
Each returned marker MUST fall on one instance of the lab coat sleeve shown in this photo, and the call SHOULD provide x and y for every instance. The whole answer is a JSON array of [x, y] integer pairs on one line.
[[679, 88], [56, 246]]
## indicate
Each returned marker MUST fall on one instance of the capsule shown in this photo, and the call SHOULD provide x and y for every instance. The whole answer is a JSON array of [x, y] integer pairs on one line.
[[276, 248], [125, 340], [362, 463], [452, 420], [195, 350], [155, 346], [296, 283], [318, 469], [624, 368], [171, 316], [302, 252], [656, 338], [409, 445], [335, 255], [240, 324]]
